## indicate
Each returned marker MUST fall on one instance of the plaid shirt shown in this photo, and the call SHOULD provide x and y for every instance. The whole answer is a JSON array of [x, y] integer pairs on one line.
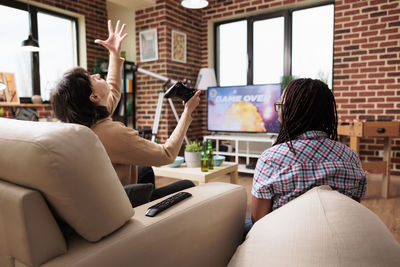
[[282, 176]]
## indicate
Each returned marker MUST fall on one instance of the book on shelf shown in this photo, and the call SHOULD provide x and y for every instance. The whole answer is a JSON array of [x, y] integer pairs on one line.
[[121, 108], [129, 85]]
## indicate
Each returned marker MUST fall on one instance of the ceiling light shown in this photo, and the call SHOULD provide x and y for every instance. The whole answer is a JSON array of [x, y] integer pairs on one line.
[[194, 3]]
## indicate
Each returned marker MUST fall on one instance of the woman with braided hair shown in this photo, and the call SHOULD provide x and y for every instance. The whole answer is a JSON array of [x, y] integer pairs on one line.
[[306, 153]]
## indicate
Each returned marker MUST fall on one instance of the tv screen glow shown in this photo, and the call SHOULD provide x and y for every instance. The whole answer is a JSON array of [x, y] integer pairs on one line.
[[243, 108]]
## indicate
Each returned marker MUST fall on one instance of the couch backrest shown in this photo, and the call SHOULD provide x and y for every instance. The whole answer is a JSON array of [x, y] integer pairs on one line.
[[67, 164], [28, 232], [320, 228]]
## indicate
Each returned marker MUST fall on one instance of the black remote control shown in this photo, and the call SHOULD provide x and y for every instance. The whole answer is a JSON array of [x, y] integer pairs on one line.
[[166, 203]]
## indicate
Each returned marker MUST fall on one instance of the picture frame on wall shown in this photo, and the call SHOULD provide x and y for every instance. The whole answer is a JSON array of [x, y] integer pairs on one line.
[[178, 46], [148, 45]]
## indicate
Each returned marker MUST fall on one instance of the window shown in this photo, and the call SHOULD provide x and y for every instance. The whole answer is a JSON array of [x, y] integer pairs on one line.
[[58, 53], [233, 53], [268, 43], [37, 72], [295, 42], [312, 49], [13, 58]]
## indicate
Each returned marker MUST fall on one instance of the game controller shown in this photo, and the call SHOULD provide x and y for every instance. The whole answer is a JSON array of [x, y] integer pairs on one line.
[[181, 91]]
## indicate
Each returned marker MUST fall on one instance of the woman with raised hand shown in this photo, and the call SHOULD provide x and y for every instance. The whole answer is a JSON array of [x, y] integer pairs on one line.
[[90, 100]]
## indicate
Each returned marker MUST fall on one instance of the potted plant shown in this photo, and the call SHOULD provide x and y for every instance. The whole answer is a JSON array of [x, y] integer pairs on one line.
[[193, 154]]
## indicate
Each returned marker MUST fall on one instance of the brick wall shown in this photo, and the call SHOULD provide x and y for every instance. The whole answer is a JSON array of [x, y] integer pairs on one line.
[[166, 16], [366, 56], [367, 67]]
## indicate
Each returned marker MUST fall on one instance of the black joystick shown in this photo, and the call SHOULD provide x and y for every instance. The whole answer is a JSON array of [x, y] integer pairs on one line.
[[181, 91]]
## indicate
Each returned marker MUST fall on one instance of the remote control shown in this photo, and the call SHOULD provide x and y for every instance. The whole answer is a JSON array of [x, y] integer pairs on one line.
[[165, 204]]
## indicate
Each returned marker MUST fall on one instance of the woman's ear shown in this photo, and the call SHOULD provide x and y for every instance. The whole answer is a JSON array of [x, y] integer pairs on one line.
[[94, 98]]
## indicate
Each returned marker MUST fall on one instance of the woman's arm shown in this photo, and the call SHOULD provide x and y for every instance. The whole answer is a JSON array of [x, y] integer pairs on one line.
[[114, 75], [125, 146], [260, 207]]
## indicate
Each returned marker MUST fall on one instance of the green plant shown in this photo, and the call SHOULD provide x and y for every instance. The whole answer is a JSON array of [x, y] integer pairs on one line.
[[286, 79], [193, 146], [100, 66]]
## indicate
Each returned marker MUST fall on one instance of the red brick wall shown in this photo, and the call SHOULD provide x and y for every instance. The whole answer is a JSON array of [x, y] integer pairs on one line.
[[95, 12], [366, 57], [367, 66], [166, 16]]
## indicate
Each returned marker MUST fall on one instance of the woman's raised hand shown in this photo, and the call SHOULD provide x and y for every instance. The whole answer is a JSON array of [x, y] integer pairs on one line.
[[114, 40], [193, 102]]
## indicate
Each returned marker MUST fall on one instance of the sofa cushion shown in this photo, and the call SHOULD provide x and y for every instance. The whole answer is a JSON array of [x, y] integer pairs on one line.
[[320, 228], [68, 164]]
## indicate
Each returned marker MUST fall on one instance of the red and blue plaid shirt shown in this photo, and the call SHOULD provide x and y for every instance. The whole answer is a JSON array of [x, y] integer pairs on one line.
[[281, 175]]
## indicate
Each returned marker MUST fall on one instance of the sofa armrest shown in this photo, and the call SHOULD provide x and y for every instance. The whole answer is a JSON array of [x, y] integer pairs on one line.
[[29, 233], [203, 230]]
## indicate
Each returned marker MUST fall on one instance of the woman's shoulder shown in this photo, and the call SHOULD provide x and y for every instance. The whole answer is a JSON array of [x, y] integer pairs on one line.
[[109, 127], [275, 153], [345, 151]]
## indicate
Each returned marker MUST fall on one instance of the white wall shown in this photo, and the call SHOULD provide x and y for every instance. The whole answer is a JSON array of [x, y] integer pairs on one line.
[[127, 16]]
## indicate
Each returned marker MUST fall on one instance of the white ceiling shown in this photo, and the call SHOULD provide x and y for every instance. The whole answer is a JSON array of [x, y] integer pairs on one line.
[[134, 4]]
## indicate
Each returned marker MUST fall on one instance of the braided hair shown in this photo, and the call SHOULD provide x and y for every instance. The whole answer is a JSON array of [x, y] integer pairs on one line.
[[307, 105]]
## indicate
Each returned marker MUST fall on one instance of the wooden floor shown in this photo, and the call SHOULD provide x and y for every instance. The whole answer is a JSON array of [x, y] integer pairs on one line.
[[388, 209]]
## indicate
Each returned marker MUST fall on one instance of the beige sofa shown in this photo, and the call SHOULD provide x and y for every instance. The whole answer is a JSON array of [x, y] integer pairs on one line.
[[320, 228], [48, 168], [56, 168]]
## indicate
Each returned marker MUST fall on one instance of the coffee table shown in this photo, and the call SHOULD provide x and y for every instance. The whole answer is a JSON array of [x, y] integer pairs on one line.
[[195, 174]]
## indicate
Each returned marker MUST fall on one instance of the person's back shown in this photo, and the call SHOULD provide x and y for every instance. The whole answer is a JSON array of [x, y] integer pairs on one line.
[[306, 153], [318, 161]]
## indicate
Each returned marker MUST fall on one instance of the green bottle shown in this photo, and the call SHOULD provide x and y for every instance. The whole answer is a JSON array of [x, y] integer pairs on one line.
[[204, 158], [210, 156]]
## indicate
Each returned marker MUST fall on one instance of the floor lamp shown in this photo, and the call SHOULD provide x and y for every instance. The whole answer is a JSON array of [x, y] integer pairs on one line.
[[205, 79]]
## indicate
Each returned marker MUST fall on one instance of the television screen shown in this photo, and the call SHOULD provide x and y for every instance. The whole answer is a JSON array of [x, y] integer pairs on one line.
[[247, 108]]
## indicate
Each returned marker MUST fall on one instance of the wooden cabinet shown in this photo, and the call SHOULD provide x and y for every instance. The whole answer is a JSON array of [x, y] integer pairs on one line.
[[385, 129]]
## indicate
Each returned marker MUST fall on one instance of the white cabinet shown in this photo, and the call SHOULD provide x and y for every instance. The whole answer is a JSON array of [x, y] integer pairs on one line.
[[244, 147]]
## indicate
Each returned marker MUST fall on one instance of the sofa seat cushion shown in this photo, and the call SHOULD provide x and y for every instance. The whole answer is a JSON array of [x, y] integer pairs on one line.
[[320, 228], [68, 164], [200, 231]]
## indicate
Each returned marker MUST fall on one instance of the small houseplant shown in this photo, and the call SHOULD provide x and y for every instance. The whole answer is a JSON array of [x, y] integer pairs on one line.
[[193, 154]]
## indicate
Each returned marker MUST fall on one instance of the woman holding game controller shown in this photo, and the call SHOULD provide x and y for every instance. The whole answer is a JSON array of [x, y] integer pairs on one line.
[[90, 100]]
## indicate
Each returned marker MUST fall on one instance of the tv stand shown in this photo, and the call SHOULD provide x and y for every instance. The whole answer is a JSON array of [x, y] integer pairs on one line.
[[242, 147]]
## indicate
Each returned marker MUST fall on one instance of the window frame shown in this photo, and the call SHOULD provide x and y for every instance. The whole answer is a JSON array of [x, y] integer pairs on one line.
[[287, 14], [33, 26]]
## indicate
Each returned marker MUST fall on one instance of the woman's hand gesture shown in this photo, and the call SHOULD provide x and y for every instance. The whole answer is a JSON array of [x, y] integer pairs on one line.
[[115, 38]]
